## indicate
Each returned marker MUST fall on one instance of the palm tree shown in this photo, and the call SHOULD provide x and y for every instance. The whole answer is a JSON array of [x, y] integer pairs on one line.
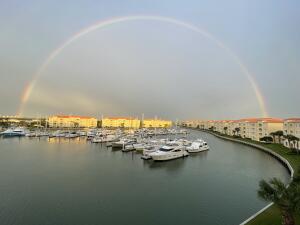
[[225, 130], [292, 140], [237, 130], [278, 134], [273, 134], [287, 199]]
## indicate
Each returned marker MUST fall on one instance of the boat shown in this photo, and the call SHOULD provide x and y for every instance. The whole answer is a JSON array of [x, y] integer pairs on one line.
[[13, 132], [197, 146], [30, 134], [120, 143], [147, 151], [97, 139], [72, 135], [81, 133], [42, 134], [129, 146], [168, 152], [104, 139]]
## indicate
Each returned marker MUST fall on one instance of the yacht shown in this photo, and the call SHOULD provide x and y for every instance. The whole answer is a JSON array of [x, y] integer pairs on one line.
[[81, 133], [72, 135], [13, 132], [122, 142], [31, 134], [129, 146], [42, 134], [97, 139], [168, 152], [197, 146], [148, 150]]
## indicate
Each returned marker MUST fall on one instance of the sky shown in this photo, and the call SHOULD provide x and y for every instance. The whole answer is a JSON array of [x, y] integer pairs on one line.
[[151, 67]]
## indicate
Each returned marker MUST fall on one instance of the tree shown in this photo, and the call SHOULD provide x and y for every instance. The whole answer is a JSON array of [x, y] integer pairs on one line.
[[267, 139], [287, 199], [278, 134], [212, 128], [225, 130], [237, 130], [293, 142]]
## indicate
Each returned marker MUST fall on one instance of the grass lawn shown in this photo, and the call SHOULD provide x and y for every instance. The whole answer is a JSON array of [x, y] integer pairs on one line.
[[272, 216]]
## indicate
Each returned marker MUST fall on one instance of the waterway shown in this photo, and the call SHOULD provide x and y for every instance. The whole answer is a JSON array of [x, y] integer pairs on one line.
[[74, 182]]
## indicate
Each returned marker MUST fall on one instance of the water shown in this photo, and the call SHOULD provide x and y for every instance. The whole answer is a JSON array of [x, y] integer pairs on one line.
[[79, 183]]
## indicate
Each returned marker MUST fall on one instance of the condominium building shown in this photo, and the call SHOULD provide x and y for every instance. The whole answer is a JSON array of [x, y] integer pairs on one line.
[[252, 128], [256, 128], [121, 122], [156, 123], [61, 121], [292, 127]]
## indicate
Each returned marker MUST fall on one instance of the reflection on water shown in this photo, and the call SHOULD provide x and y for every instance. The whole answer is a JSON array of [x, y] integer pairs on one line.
[[61, 140], [72, 181], [171, 165]]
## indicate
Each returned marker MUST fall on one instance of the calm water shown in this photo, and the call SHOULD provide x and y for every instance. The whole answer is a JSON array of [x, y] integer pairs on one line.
[[79, 183]]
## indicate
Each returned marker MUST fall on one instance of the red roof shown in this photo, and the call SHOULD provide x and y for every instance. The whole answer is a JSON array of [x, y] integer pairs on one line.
[[292, 120]]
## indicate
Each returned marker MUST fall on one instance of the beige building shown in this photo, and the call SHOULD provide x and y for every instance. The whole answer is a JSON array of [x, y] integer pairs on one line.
[[256, 128], [252, 128], [60, 121], [292, 127], [156, 123], [121, 122]]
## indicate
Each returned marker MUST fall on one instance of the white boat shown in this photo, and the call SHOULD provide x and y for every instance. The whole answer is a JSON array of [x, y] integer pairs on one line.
[[119, 144], [104, 139], [129, 146], [197, 146], [71, 135], [91, 133], [147, 151], [168, 152], [81, 133], [97, 139], [42, 134], [31, 134], [13, 132]]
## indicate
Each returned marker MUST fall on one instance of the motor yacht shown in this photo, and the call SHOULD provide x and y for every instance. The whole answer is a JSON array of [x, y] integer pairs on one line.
[[197, 146], [72, 135], [13, 132], [168, 152]]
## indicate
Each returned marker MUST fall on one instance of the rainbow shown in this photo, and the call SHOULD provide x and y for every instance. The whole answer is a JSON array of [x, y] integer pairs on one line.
[[101, 24]]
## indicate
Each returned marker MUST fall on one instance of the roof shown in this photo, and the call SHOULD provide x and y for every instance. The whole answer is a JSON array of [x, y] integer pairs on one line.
[[80, 117], [292, 120], [120, 118]]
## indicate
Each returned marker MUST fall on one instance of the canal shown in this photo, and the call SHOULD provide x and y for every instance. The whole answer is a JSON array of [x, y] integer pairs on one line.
[[74, 182]]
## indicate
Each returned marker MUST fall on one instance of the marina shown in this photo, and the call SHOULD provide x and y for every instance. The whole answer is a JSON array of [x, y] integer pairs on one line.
[[75, 170]]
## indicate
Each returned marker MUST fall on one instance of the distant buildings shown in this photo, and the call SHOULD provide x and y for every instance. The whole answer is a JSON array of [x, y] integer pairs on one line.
[[121, 122], [71, 121], [156, 123], [252, 128], [128, 122]]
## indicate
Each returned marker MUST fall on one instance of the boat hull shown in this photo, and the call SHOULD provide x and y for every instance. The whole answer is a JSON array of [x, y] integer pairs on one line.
[[167, 157]]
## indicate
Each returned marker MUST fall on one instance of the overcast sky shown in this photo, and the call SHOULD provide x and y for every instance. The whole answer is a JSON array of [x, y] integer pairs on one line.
[[151, 67]]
